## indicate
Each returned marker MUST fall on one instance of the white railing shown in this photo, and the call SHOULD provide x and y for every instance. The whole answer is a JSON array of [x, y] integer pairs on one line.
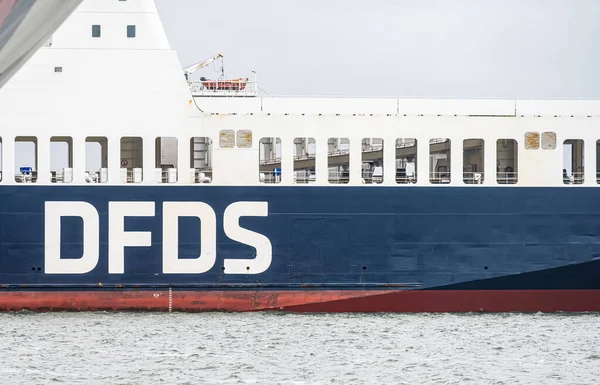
[[166, 176], [338, 153], [63, 176], [223, 88], [97, 176], [26, 177], [372, 176], [575, 178], [507, 177], [304, 157], [439, 177], [406, 144], [402, 178], [304, 177], [270, 161], [438, 140], [201, 175], [270, 178], [473, 177], [132, 175], [337, 177], [372, 148]]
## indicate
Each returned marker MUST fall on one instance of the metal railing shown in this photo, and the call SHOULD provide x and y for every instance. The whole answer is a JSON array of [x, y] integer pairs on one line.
[[575, 178], [94, 177], [223, 88], [270, 178], [473, 177], [304, 177], [439, 177], [264, 162], [132, 175], [507, 177], [438, 140], [57, 177], [336, 177], [338, 153], [304, 157], [203, 175], [406, 144], [26, 178], [305, 180], [372, 148], [406, 179], [167, 176], [369, 177]]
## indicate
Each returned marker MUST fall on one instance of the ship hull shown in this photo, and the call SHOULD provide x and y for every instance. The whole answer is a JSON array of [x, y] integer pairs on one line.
[[305, 301], [332, 249]]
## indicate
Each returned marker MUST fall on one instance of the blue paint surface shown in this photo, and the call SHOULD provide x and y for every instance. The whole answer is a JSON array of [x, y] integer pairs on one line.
[[339, 236]]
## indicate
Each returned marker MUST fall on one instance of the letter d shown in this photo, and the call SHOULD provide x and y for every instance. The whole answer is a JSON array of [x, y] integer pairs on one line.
[[53, 262]]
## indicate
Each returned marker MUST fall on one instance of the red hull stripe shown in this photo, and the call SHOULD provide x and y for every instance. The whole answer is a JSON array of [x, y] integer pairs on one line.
[[307, 301]]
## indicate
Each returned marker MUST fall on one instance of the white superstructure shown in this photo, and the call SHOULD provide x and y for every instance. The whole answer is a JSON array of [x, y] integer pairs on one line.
[[107, 103]]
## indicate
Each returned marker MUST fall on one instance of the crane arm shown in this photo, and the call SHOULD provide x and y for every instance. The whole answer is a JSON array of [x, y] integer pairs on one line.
[[195, 67]]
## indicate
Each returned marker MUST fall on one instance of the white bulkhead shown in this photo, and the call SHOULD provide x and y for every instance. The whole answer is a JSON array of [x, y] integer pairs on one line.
[[111, 86], [109, 81]]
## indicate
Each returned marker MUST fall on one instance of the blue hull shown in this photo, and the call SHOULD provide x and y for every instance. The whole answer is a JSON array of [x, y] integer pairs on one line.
[[331, 237]]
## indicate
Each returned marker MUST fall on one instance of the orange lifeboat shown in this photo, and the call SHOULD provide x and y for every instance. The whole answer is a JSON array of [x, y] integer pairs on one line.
[[225, 85]]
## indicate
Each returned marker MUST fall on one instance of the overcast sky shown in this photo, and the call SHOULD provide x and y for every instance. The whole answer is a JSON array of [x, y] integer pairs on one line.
[[443, 48]]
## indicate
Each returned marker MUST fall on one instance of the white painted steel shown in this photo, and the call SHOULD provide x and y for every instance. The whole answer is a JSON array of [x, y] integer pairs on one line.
[[115, 87]]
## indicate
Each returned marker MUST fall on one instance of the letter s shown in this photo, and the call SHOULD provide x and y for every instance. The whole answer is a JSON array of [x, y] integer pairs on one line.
[[53, 263], [231, 225]]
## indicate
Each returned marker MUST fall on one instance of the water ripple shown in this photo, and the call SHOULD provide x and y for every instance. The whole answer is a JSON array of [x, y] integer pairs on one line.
[[293, 349]]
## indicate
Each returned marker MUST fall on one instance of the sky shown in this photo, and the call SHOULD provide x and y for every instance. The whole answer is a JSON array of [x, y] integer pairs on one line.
[[396, 48]]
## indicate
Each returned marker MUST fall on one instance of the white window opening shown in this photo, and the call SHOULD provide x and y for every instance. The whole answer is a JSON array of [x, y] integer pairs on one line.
[[1, 157], [96, 159], [406, 160], [26, 159], [439, 160], [473, 161], [305, 150], [61, 159], [372, 160], [132, 155], [573, 158], [201, 168], [507, 160], [270, 160], [338, 160], [165, 163]]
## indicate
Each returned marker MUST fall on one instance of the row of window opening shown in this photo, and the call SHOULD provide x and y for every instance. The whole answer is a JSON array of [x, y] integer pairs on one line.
[[97, 156], [304, 156], [440, 159], [372, 160]]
